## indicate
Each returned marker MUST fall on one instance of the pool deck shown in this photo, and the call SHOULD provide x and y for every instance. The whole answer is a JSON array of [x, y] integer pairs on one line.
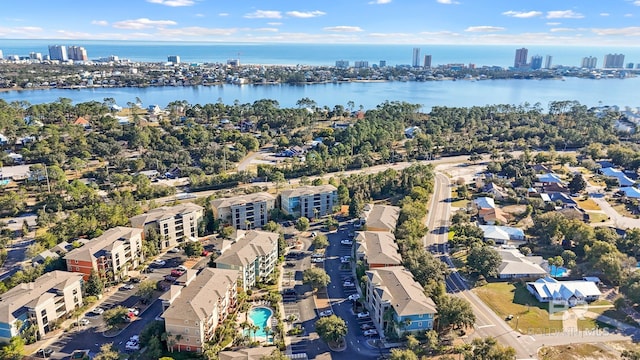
[[261, 338]]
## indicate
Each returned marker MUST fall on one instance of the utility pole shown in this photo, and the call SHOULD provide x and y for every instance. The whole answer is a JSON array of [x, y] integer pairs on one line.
[[46, 172]]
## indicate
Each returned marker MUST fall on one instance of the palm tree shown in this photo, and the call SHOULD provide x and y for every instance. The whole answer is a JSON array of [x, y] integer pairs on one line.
[[253, 328], [267, 332]]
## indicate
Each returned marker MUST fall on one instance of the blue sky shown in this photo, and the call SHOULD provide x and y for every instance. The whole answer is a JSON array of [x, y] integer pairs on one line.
[[551, 22]]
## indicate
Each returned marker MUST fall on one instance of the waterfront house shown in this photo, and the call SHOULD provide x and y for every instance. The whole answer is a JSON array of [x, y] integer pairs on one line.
[[397, 303]]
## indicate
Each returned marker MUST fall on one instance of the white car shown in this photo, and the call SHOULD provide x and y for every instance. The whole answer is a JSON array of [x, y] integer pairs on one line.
[[354, 297], [348, 284], [98, 311], [135, 338], [317, 260], [371, 332], [182, 268], [174, 250], [363, 315], [346, 242], [84, 322], [135, 311], [127, 286], [345, 259], [132, 345], [159, 262], [314, 234], [326, 313]]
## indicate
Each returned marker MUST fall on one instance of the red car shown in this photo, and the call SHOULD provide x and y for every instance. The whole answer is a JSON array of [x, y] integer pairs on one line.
[[205, 253], [176, 273]]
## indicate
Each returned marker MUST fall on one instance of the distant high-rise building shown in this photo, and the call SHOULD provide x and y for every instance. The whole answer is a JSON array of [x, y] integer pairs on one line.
[[637, 66], [1, 56], [35, 56], [472, 66], [342, 64], [233, 62], [613, 61], [630, 66], [361, 64], [173, 59], [416, 57], [77, 53], [427, 62], [383, 63], [536, 62], [521, 58], [589, 62], [547, 61], [58, 52]]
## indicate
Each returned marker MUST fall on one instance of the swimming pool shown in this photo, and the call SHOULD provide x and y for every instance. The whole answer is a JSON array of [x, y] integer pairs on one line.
[[259, 316], [558, 271]]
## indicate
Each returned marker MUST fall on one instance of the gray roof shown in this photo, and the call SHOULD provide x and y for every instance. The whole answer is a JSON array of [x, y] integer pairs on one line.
[[248, 246], [164, 212], [308, 190], [106, 241], [255, 353], [198, 300], [381, 216], [397, 286], [515, 263], [33, 293], [378, 247], [242, 199], [562, 290]]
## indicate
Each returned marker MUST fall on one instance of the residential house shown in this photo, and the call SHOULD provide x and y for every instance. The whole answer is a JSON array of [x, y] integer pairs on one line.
[[630, 192], [558, 197], [565, 293], [377, 249], [81, 121], [42, 257], [483, 203], [397, 303], [501, 234], [380, 217], [254, 253], [309, 201], [174, 224], [412, 132], [515, 265], [111, 254], [18, 173], [194, 311], [498, 192], [623, 179], [50, 297], [244, 212]]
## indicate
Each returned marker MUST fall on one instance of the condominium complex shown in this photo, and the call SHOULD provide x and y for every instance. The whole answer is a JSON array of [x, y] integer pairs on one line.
[[416, 57], [342, 64], [380, 217], [111, 254], [174, 224], [393, 289], [58, 52], [613, 61], [244, 212], [173, 59], [253, 253], [50, 297], [589, 62], [536, 62], [520, 59], [548, 61], [427, 62], [377, 249], [193, 312], [309, 201], [77, 53]]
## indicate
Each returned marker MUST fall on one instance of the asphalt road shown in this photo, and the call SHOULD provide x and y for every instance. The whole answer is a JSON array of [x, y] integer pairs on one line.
[[439, 212], [15, 255]]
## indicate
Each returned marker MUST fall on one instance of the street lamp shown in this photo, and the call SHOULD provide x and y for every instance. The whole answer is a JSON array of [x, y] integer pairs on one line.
[[517, 320]]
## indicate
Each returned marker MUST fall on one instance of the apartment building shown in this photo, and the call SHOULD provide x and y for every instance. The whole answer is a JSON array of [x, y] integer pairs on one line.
[[111, 254], [244, 212], [194, 311], [380, 217], [254, 254], [393, 289], [174, 224], [50, 297], [377, 249], [309, 201]]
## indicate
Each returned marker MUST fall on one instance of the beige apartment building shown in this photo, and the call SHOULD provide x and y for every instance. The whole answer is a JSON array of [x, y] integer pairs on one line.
[[50, 297], [244, 212], [377, 249], [254, 254], [309, 201], [111, 254], [380, 217], [174, 224], [194, 311]]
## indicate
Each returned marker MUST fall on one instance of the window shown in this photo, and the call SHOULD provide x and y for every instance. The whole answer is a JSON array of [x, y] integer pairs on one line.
[[419, 324], [76, 261], [77, 268], [75, 291], [188, 348], [186, 331]]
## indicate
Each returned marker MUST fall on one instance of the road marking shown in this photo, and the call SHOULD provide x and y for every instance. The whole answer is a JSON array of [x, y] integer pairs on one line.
[[485, 326]]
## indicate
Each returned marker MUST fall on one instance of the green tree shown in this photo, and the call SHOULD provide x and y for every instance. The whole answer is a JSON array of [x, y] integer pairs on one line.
[[331, 329], [453, 311], [271, 226], [316, 277], [484, 260], [302, 224], [403, 354], [115, 316], [489, 349], [630, 355], [154, 349], [193, 248], [95, 285], [275, 355], [577, 183], [145, 290], [14, 350], [320, 241], [107, 352]]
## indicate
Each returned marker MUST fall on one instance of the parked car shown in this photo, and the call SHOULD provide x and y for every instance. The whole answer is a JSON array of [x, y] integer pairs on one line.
[[132, 345], [182, 267], [135, 280], [289, 264], [176, 273], [363, 315], [317, 260], [127, 287], [174, 250], [348, 284], [509, 317], [159, 262], [345, 259], [135, 311], [326, 313], [366, 327], [371, 332], [354, 297], [346, 242], [314, 234], [98, 311], [46, 352], [317, 255], [289, 291], [84, 322], [205, 253]]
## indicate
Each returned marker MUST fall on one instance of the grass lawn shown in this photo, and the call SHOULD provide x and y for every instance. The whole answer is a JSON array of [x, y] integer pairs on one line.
[[588, 204], [596, 217], [514, 299], [622, 209], [459, 259]]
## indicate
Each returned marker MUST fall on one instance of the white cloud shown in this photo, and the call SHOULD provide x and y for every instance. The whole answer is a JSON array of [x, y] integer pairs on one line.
[[173, 3], [343, 28], [264, 14], [604, 14], [266, 29], [447, 2], [636, 3], [628, 15], [142, 23], [564, 14], [626, 31], [484, 28], [389, 35], [305, 14], [553, 23], [100, 22], [522, 14], [274, 23], [379, 2], [562, 29], [223, 14], [199, 15], [195, 31]]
